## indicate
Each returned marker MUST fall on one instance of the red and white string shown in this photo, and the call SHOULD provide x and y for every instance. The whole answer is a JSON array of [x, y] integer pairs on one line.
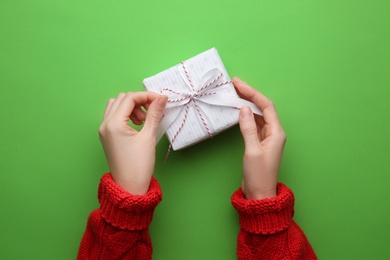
[[191, 99]]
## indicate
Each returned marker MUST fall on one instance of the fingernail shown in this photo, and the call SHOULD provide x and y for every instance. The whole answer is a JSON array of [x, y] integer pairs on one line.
[[246, 112]]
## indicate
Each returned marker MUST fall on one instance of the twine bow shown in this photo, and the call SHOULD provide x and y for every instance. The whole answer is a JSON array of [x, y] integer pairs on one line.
[[208, 91]]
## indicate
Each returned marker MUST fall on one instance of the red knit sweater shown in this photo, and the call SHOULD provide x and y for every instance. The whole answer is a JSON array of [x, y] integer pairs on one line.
[[119, 229]]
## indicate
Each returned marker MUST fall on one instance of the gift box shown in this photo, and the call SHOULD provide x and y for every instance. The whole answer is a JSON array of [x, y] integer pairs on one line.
[[202, 101]]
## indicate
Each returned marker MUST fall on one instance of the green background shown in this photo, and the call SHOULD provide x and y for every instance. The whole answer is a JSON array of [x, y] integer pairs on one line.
[[325, 64]]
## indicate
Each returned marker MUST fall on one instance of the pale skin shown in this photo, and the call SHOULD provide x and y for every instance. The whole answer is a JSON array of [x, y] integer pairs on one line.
[[131, 154]]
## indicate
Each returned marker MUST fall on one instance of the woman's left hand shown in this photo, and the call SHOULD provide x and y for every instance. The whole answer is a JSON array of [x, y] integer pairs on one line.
[[130, 153]]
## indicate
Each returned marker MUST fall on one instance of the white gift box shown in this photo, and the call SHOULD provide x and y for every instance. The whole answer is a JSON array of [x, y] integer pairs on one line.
[[201, 99]]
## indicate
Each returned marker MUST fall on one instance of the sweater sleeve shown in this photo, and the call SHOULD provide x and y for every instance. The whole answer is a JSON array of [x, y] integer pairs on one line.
[[119, 229], [267, 230]]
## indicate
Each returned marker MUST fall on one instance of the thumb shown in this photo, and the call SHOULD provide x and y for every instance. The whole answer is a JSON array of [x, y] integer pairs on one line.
[[248, 127], [154, 115]]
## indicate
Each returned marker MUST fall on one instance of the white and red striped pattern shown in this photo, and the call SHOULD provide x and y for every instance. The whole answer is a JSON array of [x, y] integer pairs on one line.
[[188, 76], [190, 97], [202, 118], [177, 132], [210, 83]]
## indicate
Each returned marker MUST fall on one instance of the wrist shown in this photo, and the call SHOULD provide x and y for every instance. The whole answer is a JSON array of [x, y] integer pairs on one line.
[[251, 192], [135, 186], [259, 195]]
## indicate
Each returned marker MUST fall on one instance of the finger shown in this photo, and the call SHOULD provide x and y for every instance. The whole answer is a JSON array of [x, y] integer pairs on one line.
[[146, 106], [248, 128], [135, 120], [115, 105], [139, 114], [108, 107], [131, 100], [249, 93], [266, 105], [154, 115]]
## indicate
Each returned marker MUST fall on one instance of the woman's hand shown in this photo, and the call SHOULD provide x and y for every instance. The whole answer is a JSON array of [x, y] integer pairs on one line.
[[264, 140], [131, 154]]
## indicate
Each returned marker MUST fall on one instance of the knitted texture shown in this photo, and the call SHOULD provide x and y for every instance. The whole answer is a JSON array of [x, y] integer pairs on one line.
[[266, 216], [124, 210], [267, 228], [119, 229]]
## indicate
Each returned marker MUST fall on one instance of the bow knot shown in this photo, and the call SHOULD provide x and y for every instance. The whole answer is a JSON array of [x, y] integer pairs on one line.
[[210, 91]]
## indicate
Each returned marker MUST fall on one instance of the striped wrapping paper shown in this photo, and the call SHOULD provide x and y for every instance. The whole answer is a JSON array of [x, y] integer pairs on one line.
[[202, 120]]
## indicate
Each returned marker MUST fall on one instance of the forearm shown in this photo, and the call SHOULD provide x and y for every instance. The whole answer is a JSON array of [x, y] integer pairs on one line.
[[119, 229], [267, 229]]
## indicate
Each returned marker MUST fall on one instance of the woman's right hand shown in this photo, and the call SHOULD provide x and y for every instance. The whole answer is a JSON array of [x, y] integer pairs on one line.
[[264, 140]]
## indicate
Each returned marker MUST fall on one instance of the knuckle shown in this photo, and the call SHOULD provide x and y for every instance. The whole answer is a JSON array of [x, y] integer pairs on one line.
[[111, 129], [155, 116], [108, 129], [250, 130], [248, 127], [282, 136], [101, 130], [253, 154], [270, 103], [121, 95]]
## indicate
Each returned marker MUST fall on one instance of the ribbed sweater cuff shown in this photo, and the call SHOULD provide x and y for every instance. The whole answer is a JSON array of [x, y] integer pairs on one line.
[[266, 216], [124, 210]]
